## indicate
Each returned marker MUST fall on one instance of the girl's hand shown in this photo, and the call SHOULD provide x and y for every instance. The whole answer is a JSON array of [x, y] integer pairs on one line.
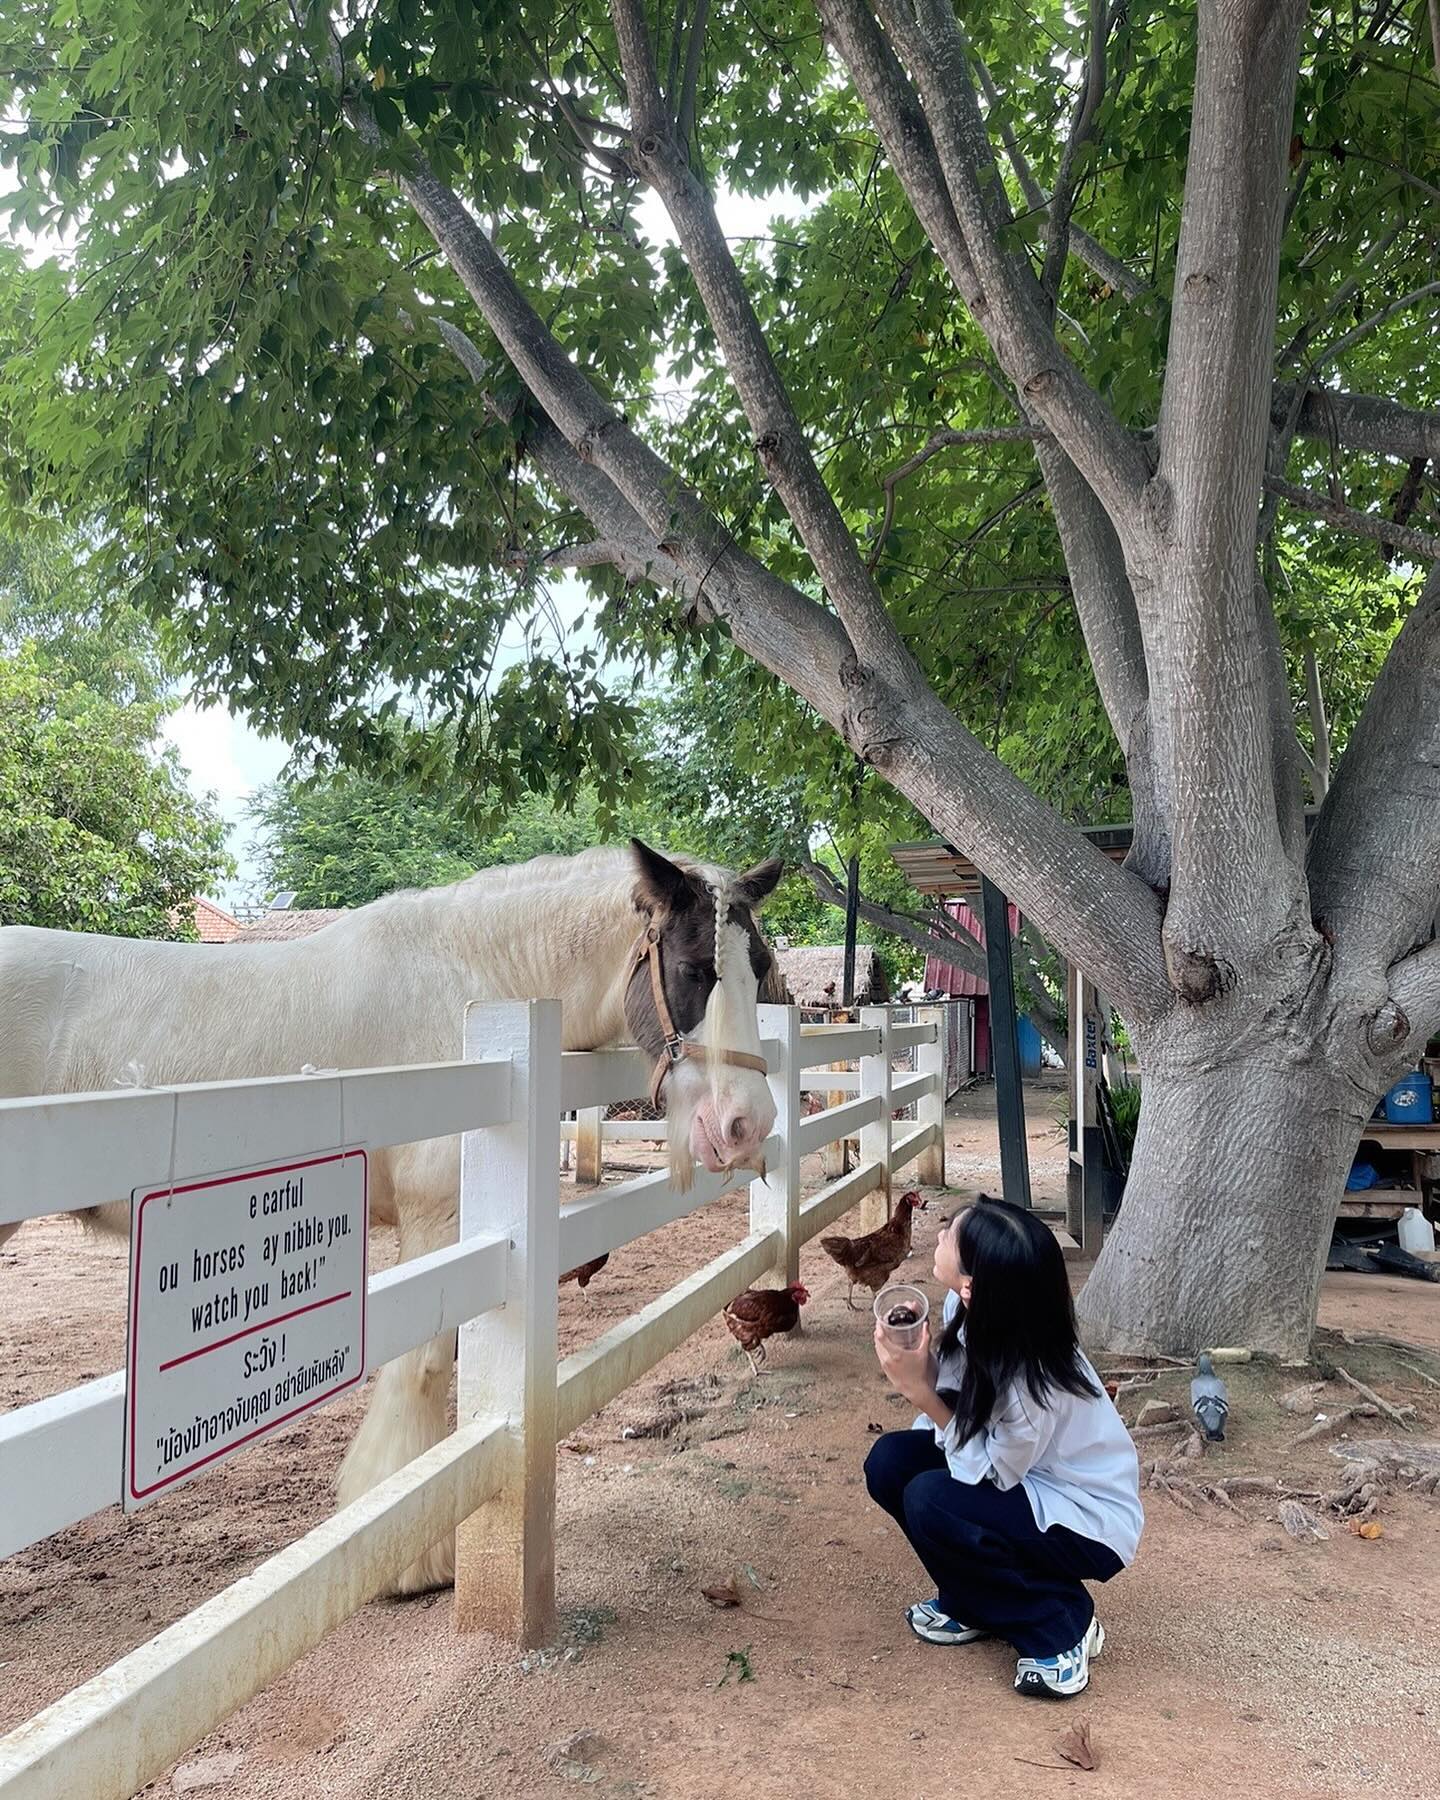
[[910, 1372]]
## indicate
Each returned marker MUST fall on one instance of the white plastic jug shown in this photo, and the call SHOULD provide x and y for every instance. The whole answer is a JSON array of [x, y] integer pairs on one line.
[[1417, 1234]]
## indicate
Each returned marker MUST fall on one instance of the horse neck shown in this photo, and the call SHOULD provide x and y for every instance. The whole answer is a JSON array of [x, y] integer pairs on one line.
[[568, 940]]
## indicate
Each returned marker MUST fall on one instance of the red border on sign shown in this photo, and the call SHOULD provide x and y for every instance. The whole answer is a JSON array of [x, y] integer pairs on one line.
[[195, 1187]]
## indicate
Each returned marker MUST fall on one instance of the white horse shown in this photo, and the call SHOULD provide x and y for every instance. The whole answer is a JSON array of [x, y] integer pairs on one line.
[[389, 984]]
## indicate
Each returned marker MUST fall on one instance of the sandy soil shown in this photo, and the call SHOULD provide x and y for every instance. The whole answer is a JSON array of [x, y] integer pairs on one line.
[[1239, 1662]]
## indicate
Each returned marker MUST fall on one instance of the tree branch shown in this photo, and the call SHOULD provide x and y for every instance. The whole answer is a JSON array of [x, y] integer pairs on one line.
[[1101, 585], [1295, 350], [961, 951], [1383, 808], [1368, 327], [757, 605], [1108, 267], [630, 545], [998, 287], [1359, 422], [1062, 200], [1110, 623], [938, 441], [1319, 758], [1419, 544], [1099, 915], [685, 111], [1211, 667], [1414, 983], [780, 439]]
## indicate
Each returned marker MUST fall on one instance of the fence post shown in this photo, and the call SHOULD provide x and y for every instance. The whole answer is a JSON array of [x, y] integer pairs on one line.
[[590, 1146], [775, 1201], [876, 1078], [930, 1109], [835, 1156], [510, 1183]]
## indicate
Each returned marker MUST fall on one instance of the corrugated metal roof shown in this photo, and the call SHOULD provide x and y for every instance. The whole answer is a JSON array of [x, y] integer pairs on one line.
[[960, 984], [935, 867]]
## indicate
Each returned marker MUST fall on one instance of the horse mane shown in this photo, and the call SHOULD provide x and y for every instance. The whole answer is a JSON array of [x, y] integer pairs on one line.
[[601, 864]]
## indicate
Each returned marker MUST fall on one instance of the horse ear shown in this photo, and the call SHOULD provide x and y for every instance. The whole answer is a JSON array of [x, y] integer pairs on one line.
[[663, 886], [757, 884]]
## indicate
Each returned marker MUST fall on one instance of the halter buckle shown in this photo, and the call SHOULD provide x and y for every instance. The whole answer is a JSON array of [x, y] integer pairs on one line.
[[675, 1049]]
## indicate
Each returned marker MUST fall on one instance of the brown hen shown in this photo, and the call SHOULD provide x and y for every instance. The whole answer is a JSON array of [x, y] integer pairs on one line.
[[871, 1260], [586, 1272], [759, 1313]]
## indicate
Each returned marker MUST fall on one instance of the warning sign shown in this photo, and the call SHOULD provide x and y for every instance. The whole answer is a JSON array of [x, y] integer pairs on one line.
[[247, 1308]]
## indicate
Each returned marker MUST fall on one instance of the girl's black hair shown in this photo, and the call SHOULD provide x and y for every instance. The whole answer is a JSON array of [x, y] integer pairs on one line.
[[1020, 1324]]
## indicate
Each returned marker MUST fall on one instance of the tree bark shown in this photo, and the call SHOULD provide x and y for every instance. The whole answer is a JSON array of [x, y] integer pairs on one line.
[[1382, 811], [1212, 678], [1233, 1190], [1358, 422]]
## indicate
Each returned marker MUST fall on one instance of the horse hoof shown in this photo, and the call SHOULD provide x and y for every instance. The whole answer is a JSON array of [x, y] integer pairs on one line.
[[427, 1575]]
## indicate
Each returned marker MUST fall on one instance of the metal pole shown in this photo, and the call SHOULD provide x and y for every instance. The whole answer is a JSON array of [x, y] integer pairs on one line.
[[1004, 1046], [852, 925]]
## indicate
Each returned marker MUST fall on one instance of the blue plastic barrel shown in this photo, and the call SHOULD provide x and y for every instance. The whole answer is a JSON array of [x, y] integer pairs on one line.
[[1411, 1101], [1027, 1039]]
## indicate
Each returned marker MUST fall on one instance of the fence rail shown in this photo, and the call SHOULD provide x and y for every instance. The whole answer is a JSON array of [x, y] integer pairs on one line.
[[492, 1480]]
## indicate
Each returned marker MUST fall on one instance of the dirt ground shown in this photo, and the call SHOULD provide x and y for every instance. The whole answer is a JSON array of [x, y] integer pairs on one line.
[[1239, 1662]]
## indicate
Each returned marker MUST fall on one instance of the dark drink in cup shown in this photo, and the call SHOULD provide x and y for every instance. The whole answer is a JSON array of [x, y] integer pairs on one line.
[[902, 1312]]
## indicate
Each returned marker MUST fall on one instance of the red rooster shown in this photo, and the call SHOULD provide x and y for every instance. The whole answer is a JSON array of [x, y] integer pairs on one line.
[[759, 1313]]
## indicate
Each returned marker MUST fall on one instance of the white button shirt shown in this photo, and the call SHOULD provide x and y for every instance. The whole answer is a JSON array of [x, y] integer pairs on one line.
[[1073, 1456]]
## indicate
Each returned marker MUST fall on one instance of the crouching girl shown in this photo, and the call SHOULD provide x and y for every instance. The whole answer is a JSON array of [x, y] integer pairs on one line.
[[1018, 1482]]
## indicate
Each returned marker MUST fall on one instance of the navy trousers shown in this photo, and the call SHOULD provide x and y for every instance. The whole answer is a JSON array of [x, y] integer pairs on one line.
[[992, 1566]]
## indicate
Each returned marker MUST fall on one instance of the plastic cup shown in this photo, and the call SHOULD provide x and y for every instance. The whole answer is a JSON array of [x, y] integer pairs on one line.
[[904, 1333]]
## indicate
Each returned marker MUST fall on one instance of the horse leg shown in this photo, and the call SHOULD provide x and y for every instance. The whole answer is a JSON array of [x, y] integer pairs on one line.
[[407, 1414]]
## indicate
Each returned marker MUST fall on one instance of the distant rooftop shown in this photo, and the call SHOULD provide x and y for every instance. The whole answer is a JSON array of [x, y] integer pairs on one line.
[[283, 927], [213, 924]]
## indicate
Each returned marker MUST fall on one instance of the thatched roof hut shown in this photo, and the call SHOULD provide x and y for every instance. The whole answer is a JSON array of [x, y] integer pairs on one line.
[[815, 975]]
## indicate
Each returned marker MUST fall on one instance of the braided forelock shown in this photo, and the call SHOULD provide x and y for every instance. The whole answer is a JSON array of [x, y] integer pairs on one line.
[[721, 888]]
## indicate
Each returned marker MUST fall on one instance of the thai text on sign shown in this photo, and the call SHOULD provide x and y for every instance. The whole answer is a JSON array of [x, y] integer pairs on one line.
[[247, 1308]]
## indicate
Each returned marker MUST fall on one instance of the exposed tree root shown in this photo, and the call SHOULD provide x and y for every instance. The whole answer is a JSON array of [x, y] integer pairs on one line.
[[1401, 1415]]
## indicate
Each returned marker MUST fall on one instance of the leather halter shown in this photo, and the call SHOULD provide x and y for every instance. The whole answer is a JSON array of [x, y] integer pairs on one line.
[[678, 1048]]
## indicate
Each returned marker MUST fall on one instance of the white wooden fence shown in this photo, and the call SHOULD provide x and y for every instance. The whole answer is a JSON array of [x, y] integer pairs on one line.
[[492, 1481], [591, 1130]]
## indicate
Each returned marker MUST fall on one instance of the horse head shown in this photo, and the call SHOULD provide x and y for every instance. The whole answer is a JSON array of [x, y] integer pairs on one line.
[[701, 960]]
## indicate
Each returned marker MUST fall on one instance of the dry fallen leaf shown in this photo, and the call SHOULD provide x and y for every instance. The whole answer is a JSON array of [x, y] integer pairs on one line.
[[724, 1593], [1370, 1529], [1074, 1745]]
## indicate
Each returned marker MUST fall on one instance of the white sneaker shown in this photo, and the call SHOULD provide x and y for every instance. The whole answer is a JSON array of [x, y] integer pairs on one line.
[[1061, 1677], [929, 1620]]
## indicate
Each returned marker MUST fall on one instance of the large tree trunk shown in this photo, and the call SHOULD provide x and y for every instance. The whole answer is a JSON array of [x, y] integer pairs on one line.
[[1239, 1166]]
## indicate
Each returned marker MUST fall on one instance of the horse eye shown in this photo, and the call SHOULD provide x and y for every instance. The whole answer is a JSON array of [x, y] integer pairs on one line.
[[693, 971]]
